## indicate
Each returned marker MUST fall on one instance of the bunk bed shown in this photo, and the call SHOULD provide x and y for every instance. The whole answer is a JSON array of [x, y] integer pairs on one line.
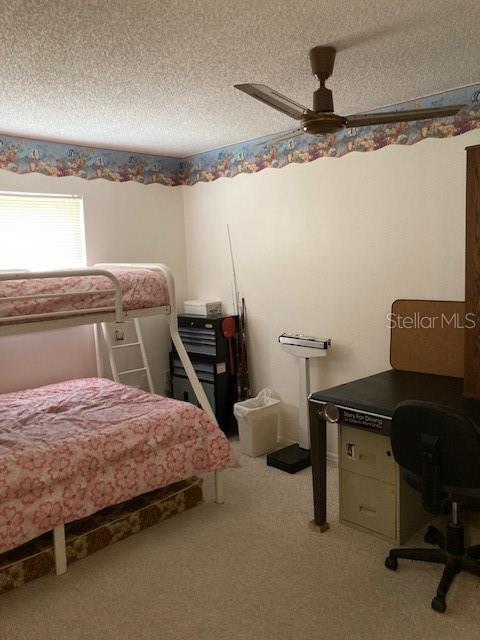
[[119, 440]]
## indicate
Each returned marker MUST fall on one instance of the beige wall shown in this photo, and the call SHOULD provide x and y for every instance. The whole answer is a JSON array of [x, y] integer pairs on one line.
[[324, 248], [125, 222]]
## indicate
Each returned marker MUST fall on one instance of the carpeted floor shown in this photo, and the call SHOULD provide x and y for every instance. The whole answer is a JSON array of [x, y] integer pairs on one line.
[[248, 570]]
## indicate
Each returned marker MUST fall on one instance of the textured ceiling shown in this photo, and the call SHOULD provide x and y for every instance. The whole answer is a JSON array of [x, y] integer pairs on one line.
[[157, 75]]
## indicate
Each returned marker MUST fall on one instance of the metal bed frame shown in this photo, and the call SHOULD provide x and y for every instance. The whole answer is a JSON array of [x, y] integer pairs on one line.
[[14, 325]]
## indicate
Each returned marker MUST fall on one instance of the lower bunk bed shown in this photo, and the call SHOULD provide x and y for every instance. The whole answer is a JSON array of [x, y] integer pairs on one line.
[[73, 449]]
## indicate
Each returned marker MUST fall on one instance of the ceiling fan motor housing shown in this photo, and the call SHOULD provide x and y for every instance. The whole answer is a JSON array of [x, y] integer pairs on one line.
[[328, 123]]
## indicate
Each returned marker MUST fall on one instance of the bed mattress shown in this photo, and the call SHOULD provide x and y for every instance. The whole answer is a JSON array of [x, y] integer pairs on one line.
[[70, 449], [142, 288]]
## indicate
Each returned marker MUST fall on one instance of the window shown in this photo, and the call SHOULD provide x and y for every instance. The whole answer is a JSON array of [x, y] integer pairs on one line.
[[41, 231]]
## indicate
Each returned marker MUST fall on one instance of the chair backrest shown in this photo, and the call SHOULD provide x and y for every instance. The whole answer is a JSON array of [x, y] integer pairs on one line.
[[438, 447]]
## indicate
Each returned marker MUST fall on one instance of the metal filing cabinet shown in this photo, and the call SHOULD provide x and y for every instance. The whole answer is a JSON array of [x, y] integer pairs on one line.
[[209, 352], [373, 493]]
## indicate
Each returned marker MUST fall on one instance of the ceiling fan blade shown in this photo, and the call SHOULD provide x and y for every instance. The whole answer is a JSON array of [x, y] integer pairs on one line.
[[281, 138], [367, 119], [274, 99]]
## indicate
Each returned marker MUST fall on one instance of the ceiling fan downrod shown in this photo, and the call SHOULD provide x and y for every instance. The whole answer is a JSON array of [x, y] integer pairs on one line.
[[322, 60]]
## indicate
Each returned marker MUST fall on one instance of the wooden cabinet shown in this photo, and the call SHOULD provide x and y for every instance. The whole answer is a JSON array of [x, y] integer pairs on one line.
[[471, 386]]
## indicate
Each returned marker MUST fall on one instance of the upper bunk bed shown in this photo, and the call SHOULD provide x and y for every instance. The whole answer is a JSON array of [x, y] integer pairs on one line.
[[105, 293], [45, 300]]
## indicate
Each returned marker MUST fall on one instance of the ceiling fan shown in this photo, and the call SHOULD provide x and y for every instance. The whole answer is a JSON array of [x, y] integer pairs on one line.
[[322, 119]]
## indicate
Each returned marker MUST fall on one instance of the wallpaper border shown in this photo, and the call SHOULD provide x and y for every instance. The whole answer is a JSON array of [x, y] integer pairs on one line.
[[24, 155]]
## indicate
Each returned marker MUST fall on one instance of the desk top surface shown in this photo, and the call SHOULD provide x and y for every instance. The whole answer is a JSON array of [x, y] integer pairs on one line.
[[380, 393]]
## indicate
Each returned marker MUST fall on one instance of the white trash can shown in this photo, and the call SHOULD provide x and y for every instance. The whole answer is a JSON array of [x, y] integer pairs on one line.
[[258, 423]]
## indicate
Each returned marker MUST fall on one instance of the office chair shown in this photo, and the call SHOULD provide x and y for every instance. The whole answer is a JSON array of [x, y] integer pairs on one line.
[[438, 451]]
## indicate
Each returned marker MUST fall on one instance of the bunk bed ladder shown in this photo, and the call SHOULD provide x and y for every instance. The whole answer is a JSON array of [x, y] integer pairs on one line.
[[137, 343]]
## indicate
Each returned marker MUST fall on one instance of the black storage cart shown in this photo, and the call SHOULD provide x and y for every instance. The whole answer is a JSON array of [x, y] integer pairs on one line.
[[214, 358]]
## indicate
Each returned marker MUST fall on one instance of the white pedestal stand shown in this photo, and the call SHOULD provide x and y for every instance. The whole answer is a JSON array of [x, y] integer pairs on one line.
[[297, 456]]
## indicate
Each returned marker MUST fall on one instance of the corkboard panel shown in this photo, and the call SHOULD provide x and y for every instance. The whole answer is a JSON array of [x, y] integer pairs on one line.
[[427, 336]]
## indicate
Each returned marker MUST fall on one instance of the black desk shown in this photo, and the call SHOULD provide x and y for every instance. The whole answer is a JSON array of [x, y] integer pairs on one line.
[[369, 404]]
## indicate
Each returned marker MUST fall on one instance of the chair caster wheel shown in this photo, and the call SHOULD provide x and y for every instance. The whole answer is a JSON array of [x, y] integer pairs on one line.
[[439, 604], [430, 536], [391, 563]]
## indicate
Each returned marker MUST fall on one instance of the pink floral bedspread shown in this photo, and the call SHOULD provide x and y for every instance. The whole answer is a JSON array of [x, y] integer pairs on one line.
[[142, 288], [70, 449]]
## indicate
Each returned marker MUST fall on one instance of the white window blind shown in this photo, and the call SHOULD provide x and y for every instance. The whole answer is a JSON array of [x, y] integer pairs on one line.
[[41, 232]]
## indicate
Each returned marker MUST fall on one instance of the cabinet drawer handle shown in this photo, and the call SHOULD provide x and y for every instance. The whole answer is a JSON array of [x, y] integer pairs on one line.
[[370, 511]]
